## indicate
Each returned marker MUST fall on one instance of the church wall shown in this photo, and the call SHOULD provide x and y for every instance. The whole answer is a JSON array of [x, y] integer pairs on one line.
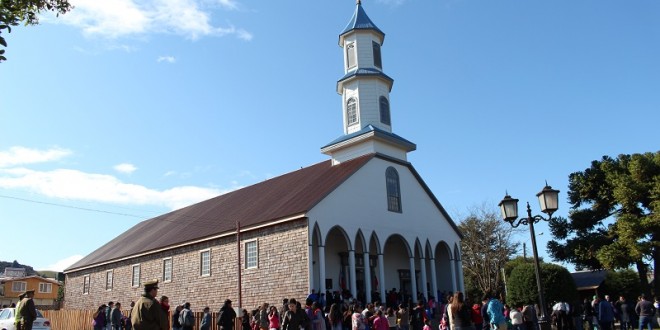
[[365, 51], [281, 272]]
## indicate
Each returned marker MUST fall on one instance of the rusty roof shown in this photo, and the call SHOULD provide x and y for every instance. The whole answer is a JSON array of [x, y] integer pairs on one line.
[[284, 196]]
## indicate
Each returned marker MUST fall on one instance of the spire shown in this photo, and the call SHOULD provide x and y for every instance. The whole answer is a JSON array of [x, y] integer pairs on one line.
[[360, 21]]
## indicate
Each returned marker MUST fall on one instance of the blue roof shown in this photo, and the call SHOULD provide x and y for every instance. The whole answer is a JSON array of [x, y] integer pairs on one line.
[[379, 132], [360, 21], [366, 72]]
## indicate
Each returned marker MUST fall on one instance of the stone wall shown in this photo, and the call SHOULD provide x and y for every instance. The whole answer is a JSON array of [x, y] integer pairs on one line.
[[282, 272]]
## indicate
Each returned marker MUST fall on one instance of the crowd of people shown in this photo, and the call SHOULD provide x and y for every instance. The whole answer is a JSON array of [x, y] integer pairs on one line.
[[341, 312]]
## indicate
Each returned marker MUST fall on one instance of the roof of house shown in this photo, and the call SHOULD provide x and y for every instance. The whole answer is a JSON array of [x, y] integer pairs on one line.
[[42, 279], [378, 132], [360, 21], [281, 197], [588, 280]]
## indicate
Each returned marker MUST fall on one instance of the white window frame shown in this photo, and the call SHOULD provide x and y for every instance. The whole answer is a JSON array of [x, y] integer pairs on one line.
[[47, 287], [351, 54], [109, 280], [204, 271], [167, 273], [22, 288], [135, 280], [251, 247], [352, 117], [87, 283]]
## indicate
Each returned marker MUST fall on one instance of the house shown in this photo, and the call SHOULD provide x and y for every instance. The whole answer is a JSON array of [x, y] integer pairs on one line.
[[362, 222], [45, 289], [589, 282]]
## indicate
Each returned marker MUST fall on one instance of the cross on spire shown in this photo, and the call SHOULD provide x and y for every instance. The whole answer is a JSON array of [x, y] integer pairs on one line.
[[359, 2]]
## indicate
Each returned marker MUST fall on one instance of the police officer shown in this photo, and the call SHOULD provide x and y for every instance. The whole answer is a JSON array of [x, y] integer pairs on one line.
[[147, 313], [17, 316], [27, 311]]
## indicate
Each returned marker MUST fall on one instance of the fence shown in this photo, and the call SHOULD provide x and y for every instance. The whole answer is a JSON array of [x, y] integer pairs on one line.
[[64, 319]]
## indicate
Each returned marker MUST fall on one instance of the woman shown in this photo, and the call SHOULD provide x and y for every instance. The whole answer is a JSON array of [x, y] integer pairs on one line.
[[99, 318], [165, 305], [347, 322], [335, 318], [380, 321], [318, 321], [391, 318], [245, 320], [175, 318], [460, 314], [263, 317], [273, 319], [357, 322], [404, 317]]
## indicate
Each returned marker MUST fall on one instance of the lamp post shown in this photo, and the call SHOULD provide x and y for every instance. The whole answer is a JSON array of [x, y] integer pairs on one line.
[[548, 199]]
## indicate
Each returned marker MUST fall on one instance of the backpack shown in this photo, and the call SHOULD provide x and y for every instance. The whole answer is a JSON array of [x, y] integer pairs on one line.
[[186, 319]]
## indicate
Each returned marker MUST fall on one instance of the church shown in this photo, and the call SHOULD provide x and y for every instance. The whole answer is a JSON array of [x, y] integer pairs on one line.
[[362, 222]]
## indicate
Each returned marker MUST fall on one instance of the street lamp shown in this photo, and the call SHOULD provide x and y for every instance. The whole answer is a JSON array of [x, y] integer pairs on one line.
[[549, 201]]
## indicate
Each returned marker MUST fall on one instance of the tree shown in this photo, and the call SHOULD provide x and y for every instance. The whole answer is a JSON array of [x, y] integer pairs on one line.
[[622, 283], [614, 219], [558, 285], [486, 247], [14, 12]]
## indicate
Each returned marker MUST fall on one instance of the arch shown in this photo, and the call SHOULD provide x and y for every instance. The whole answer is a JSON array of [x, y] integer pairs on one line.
[[351, 112], [393, 187], [443, 261], [384, 107]]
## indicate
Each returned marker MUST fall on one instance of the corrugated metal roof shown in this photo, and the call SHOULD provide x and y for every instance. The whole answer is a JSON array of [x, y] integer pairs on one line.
[[360, 21], [286, 195]]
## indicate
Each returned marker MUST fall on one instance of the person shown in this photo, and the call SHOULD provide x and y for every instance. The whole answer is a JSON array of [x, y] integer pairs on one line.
[[391, 318], [484, 311], [495, 312], [263, 317], [294, 318], [605, 312], [187, 318], [418, 316], [175, 317], [517, 319], [108, 316], [656, 305], [427, 325], [226, 316], [127, 320], [588, 314], [27, 310], [116, 316], [273, 319], [459, 313], [404, 317], [623, 310], [99, 318], [357, 321], [17, 316], [165, 306], [477, 320], [645, 310], [529, 317], [206, 319], [318, 321], [147, 313]]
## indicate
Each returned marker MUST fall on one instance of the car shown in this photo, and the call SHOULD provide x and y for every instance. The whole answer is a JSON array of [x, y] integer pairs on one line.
[[7, 320]]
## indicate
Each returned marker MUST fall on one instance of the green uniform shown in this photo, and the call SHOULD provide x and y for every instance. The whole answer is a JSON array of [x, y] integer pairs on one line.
[[148, 315], [28, 313], [17, 316]]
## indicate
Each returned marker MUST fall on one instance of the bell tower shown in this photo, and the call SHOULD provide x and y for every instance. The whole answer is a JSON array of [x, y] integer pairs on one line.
[[365, 92]]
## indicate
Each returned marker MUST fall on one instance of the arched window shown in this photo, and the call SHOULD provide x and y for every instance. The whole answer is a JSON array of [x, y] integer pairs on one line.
[[393, 190], [351, 111], [384, 110]]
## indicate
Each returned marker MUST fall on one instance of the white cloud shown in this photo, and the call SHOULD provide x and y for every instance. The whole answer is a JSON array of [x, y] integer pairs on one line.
[[121, 18], [21, 156], [168, 59], [63, 264], [125, 168]]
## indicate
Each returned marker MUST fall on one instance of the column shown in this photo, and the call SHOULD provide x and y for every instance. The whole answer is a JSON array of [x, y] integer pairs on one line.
[[311, 268], [367, 277], [351, 275], [322, 274], [461, 283], [423, 271], [434, 280], [452, 270], [381, 277], [413, 280]]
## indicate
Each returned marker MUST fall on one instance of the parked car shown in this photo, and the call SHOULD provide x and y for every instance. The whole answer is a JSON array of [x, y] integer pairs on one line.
[[7, 320]]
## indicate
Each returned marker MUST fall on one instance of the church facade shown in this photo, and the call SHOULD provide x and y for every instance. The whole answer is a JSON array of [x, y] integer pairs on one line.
[[362, 222]]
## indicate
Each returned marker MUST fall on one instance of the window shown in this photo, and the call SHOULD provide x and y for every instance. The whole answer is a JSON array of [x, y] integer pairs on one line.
[[18, 286], [351, 111], [384, 110], [393, 190], [135, 280], [108, 280], [205, 263], [350, 55], [377, 60], [86, 284], [251, 254], [45, 287], [167, 270]]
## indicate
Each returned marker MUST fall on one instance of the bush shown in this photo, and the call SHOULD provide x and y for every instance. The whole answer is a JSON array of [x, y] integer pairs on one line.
[[558, 285]]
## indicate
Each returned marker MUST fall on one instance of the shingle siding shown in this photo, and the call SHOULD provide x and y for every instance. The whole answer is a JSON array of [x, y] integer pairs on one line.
[[282, 272]]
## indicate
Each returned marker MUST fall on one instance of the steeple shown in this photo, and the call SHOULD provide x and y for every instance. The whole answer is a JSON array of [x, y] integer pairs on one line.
[[365, 91]]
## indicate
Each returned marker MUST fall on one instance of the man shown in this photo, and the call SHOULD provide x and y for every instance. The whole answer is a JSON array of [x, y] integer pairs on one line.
[[115, 317], [27, 311], [645, 310], [128, 325], [108, 316], [605, 312], [484, 311], [17, 317], [495, 312], [187, 318], [206, 319], [623, 308], [147, 313], [529, 317], [226, 316]]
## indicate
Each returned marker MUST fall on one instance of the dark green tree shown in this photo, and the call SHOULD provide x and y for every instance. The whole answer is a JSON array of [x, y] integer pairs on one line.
[[622, 283], [614, 220], [558, 285], [15, 12], [486, 247]]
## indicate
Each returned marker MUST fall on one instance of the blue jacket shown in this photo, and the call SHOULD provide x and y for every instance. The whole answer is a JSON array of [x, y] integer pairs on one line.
[[495, 311], [605, 311]]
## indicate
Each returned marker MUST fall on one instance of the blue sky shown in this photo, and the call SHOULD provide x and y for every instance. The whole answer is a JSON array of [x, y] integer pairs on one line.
[[134, 108]]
